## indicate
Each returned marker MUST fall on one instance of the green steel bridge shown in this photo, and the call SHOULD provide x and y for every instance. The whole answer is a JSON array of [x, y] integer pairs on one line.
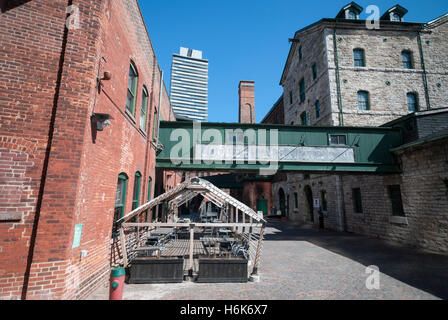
[[236, 147]]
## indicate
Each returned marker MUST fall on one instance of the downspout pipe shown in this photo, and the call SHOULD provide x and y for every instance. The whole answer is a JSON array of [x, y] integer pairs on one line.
[[425, 78], [338, 77]]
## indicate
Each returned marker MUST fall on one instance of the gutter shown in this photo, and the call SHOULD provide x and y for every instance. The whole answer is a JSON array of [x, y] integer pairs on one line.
[[425, 78], [338, 78]]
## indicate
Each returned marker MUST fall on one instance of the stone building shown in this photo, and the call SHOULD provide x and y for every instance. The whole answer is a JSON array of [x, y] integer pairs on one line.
[[81, 98], [341, 72]]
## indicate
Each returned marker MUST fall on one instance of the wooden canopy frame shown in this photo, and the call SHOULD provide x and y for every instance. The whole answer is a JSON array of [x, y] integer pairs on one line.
[[234, 214]]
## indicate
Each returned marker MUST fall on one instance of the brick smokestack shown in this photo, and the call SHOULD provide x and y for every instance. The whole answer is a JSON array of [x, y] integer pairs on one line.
[[247, 102]]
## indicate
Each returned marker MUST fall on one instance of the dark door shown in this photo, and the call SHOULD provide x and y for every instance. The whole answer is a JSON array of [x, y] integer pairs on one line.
[[309, 202], [282, 202]]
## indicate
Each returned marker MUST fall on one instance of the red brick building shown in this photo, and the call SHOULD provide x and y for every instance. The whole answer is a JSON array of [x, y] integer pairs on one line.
[[58, 171]]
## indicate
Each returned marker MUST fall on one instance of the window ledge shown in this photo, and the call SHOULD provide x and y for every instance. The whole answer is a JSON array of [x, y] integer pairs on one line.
[[12, 216], [398, 220], [142, 132], [130, 115]]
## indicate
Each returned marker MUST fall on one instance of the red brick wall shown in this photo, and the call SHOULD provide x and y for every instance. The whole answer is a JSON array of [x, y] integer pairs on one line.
[[277, 114], [83, 165], [246, 102]]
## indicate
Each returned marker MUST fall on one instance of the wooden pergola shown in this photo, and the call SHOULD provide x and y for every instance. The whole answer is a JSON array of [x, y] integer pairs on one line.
[[244, 223]]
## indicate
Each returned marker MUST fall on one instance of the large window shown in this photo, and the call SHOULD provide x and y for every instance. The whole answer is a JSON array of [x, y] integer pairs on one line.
[[302, 90], [314, 70], [396, 200], [406, 58], [132, 89], [136, 195], [363, 100], [357, 201], [120, 199], [359, 58], [144, 109], [412, 102]]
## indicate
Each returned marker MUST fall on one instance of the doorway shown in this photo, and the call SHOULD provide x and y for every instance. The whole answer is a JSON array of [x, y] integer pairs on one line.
[[282, 202], [309, 202]]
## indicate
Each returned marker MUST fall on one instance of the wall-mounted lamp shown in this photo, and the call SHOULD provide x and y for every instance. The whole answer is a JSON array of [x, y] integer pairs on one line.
[[107, 75], [102, 120]]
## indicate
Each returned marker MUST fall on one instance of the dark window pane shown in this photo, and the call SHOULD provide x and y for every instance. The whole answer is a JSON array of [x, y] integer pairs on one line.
[[359, 58], [396, 200], [412, 102], [407, 60], [363, 100]]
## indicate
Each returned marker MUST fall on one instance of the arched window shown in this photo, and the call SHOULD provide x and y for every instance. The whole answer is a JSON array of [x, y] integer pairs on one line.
[[406, 58], [136, 195], [412, 102], [132, 88], [363, 100], [120, 199], [144, 108], [359, 58], [304, 118], [302, 90]]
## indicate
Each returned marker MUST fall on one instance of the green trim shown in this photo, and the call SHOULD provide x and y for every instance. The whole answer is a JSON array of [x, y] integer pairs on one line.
[[132, 91], [136, 195], [124, 177], [417, 143], [144, 108], [118, 272]]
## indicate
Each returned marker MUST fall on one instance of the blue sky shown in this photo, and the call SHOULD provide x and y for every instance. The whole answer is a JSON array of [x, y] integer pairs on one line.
[[248, 40]]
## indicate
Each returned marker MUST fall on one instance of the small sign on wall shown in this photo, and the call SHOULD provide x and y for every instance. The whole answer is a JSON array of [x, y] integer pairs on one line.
[[317, 203], [77, 236]]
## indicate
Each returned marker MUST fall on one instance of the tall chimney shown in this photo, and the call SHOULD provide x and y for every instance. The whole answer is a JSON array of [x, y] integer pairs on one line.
[[247, 102]]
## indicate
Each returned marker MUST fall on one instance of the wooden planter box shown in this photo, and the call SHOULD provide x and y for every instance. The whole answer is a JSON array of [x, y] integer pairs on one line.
[[154, 270], [222, 270]]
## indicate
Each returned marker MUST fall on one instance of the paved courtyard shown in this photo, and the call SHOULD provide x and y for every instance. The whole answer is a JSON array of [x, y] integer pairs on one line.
[[299, 262]]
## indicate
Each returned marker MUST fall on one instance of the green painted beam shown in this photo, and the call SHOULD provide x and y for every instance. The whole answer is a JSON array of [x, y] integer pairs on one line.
[[371, 146]]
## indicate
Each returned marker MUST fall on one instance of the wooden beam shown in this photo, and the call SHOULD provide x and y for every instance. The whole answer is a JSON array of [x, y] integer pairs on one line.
[[191, 247], [172, 225], [123, 247]]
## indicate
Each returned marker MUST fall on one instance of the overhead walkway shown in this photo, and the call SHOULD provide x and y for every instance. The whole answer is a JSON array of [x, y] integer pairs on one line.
[[230, 147]]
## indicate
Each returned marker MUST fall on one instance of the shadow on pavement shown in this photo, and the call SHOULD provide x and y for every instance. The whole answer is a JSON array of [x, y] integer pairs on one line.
[[422, 270]]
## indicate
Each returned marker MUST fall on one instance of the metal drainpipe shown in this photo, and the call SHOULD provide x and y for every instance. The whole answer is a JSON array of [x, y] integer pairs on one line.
[[425, 79], [338, 79]]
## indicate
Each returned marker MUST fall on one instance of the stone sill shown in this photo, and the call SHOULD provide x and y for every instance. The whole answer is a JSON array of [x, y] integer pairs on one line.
[[398, 220], [6, 217]]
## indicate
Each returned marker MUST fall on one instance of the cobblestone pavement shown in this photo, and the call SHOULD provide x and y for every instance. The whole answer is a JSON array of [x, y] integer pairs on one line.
[[299, 262]]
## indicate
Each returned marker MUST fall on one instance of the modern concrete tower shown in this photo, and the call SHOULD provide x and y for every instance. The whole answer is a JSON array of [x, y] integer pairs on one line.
[[189, 85]]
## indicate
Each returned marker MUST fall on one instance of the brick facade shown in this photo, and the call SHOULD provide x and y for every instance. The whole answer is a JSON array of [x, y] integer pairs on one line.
[[246, 102], [56, 170]]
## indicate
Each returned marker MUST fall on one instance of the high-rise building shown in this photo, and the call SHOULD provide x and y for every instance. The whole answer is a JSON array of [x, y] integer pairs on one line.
[[189, 85]]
